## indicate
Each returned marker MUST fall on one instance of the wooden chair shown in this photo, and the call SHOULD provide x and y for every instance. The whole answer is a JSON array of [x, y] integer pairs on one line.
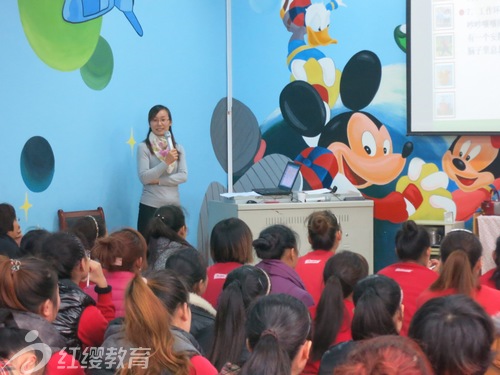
[[67, 218]]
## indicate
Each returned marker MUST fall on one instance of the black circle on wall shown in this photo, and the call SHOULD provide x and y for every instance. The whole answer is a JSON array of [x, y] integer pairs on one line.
[[37, 164]]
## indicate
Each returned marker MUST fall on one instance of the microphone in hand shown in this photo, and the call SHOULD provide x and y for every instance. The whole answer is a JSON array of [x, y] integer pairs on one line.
[[169, 140]]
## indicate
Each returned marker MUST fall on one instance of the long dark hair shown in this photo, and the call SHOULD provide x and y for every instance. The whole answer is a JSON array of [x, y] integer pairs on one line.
[[165, 223], [277, 326], [412, 241], [242, 286], [341, 273], [496, 274], [377, 299], [460, 251], [151, 115]]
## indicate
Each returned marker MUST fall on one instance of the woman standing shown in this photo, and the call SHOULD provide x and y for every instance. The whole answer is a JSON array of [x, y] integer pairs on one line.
[[161, 164]]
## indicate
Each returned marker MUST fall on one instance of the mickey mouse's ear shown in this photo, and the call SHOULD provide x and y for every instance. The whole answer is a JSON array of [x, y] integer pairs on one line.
[[360, 80], [495, 141], [302, 108]]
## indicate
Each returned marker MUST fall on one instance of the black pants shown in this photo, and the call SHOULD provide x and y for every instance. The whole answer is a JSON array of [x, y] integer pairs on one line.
[[145, 214]]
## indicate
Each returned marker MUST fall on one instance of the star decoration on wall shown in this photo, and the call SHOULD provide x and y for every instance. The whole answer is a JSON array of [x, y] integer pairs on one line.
[[131, 141], [26, 206]]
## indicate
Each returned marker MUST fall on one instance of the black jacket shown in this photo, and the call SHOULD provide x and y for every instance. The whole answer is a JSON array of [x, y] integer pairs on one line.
[[202, 321], [8, 247], [73, 302]]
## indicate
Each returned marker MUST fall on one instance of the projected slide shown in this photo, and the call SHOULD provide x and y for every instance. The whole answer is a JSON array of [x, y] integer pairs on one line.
[[453, 66]]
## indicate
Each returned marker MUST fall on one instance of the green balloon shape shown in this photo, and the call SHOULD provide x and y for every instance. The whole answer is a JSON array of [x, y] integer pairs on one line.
[[59, 44], [97, 72]]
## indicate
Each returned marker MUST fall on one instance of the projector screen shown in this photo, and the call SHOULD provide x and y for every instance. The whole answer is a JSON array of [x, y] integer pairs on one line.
[[453, 67]]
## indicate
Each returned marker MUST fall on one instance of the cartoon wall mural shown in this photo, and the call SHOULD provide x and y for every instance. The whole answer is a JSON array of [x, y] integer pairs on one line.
[[328, 123], [65, 35]]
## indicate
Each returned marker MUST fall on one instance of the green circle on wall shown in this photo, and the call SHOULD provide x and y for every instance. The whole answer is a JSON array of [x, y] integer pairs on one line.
[[61, 45], [97, 72]]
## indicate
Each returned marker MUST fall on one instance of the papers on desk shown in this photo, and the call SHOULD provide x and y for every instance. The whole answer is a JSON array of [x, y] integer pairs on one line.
[[344, 190], [253, 197]]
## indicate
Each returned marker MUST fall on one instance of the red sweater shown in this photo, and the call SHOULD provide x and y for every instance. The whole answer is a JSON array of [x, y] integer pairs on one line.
[[95, 319], [413, 279], [486, 279], [62, 363], [216, 276], [201, 366], [487, 297], [310, 269], [312, 367]]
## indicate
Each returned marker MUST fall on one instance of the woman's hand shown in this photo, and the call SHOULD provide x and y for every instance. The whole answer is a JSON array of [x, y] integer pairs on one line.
[[96, 275], [434, 264], [172, 156]]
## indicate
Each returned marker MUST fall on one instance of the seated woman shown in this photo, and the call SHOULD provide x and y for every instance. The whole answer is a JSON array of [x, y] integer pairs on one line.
[[10, 231], [89, 228], [378, 311], [332, 324], [277, 247], [122, 254], [324, 235], [157, 317], [413, 248], [492, 277], [243, 285], [230, 247], [192, 269], [28, 289], [166, 233], [80, 320], [455, 333], [277, 330], [386, 355], [461, 253]]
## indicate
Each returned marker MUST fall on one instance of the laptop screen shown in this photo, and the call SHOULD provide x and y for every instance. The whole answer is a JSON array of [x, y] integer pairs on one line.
[[289, 175]]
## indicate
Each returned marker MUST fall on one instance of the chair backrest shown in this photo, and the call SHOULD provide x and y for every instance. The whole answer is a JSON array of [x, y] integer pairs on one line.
[[67, 218]]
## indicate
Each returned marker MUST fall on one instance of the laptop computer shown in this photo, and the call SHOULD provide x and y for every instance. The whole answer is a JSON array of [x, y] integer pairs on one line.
[[286, 182]]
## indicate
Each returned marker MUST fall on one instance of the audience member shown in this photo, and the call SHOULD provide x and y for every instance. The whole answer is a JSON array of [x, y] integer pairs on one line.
[[277, 247], [166, 233], [79, 319], [122, 254], [386, 355], [31, 243], [90, 228], [378, 311], [192, 269], [492, 277], [28, 288], [324, 236], [157, 317], [456, 334], [332, 324], [412, 272], [10, 231], [230, 247], [461, 253], [242, 286], [277, 329]]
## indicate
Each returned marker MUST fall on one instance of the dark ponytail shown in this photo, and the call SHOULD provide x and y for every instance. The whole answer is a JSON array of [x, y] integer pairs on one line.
[[242, 286], [341, 273], [377, 299], [277, 326]]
